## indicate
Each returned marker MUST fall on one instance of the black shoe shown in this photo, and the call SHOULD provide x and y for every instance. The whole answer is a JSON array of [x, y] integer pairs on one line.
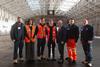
[[39, 58], [48, 59], [53, 59], [15, 61], [73, 62], [84, 62], [69, 60], [60, 61], [42, 58], [30, 61], [21, 60]]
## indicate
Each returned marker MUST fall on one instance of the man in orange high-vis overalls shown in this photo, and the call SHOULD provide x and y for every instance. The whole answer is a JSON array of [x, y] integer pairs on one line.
[[51, 39], [41, 38], [29, 40], [73, 35]]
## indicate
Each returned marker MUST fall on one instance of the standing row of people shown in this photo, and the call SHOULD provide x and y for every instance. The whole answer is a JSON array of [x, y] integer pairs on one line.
[[64, 33]]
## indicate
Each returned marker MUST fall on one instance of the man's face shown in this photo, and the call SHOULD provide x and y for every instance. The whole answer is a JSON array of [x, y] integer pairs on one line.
[[60, 23], [19, 20], [85, 22], [51, 23], [43, 21], [30, 22], [71, 21], [40, 21]]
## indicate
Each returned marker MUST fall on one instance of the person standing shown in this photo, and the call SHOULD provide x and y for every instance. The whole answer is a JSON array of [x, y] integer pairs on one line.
[[29, 40], [17, 36], [87, 35], [51, 38], [40, 31], [61, 39], [73, 35]]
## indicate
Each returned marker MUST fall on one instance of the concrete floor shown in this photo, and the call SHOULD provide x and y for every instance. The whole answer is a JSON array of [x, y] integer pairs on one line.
[[6, 53]]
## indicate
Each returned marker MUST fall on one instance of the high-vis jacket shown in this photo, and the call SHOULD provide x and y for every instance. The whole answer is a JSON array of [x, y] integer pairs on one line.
[[54, 33], [29, 34], [41, 31]]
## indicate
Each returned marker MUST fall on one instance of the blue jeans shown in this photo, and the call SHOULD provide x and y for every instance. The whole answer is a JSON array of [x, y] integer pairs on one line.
[[87, 47], [18, 44]]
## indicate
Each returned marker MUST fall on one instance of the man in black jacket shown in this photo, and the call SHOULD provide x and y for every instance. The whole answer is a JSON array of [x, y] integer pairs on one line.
[[17, 36], [73, 35], [86, 39], [61, 39]]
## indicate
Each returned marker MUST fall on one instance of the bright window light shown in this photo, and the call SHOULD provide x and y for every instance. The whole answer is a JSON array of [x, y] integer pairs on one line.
[[33, 4], [5, 27], [66, 5]]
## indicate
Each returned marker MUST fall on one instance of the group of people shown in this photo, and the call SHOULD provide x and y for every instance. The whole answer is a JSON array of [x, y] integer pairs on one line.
[[53, 35]]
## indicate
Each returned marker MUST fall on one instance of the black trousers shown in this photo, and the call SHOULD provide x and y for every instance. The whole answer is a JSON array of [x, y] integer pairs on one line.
[[61, 50], [87, 47], [29, 51], [40, 46], [18, 44], [51, 44]]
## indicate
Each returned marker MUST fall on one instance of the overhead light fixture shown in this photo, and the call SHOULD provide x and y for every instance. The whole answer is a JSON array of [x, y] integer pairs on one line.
[[50, 12], [66, 5], [34, 4]]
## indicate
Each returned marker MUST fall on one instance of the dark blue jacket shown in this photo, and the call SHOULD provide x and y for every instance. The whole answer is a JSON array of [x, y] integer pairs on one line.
[[62, 34], [73, 32], [87, 33], [14, 32]]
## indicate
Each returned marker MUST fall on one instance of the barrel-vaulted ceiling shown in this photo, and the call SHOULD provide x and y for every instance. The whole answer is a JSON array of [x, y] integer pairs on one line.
[[70, 8]]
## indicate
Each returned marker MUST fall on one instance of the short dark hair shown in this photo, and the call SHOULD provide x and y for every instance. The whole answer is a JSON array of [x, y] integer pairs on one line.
[[18, 17], [42, 18]]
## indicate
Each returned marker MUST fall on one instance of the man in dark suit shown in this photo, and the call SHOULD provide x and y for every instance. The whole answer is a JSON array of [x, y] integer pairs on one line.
[[61, 39]]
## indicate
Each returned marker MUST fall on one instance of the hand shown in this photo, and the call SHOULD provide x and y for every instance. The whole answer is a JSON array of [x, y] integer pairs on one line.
[[62, 42], [13, 40], [90, 42], [55, 41], [31, 39], [46, 40]]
